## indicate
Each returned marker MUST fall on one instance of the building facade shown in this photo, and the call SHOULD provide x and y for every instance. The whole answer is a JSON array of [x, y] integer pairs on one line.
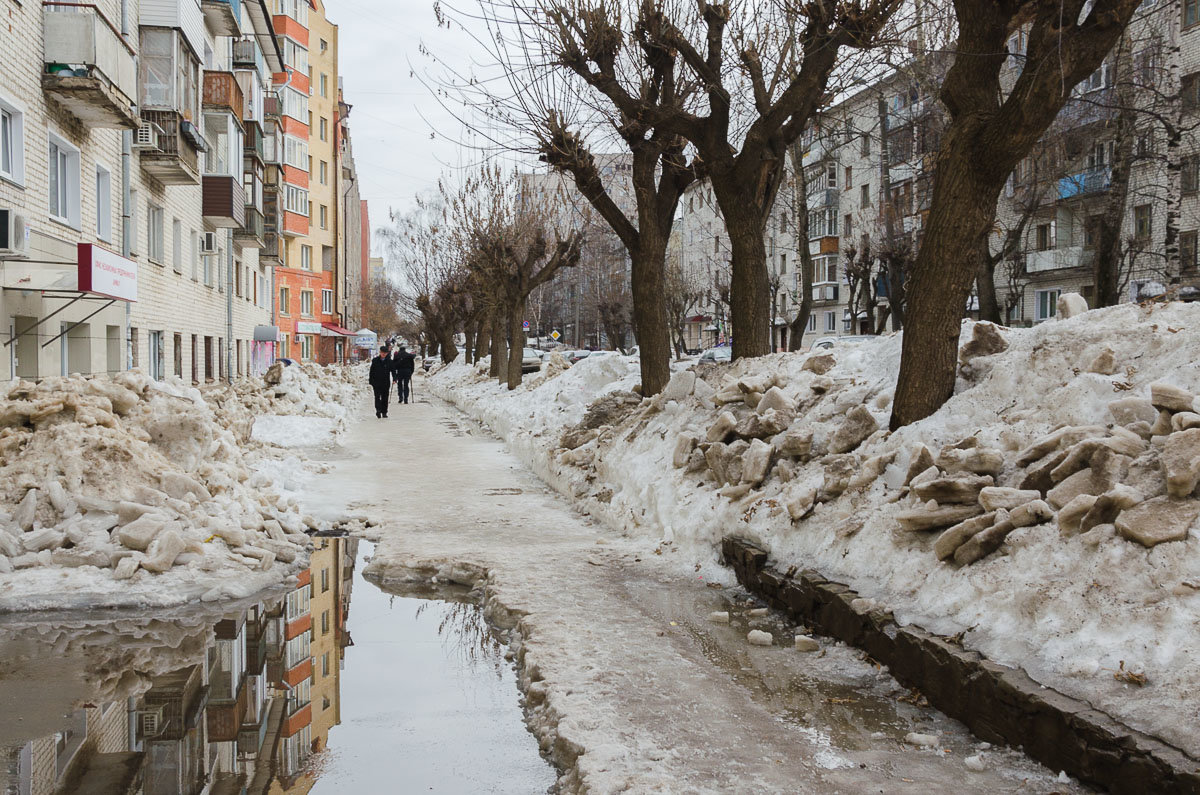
[[124, 186]]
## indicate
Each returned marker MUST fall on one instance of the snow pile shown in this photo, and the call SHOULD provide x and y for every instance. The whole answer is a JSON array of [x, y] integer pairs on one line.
[[126, 490], [1046, 514]]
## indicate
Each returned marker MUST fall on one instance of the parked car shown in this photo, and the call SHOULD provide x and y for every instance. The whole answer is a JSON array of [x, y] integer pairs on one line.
[[577, 356], [824, 343], [716, 355], [427, 362], [531, 360]]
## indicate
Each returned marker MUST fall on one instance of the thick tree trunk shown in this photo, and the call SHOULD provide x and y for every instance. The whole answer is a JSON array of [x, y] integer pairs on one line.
[[483, 337], [516, 347], [749, 285], [469, 345], [1106, 268], [499, 350], [960, 217], [985, 285], [648, 285]]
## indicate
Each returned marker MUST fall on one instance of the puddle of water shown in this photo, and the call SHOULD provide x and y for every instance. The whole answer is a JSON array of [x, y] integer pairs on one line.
[[293, 692]]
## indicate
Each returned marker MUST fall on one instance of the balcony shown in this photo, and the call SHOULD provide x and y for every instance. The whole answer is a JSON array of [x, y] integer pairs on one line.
[[223, 17], [168, 148], [89, 69], [248, 55], [1057, 259], [1085, 183], [251, 231], [221, 90], [822, 199], [253, 142], [1099, 105], [224, 202], [269, 253], [825, 292]]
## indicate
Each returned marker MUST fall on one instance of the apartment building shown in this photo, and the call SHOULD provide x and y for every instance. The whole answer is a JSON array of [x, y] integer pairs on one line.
[[123, 236]]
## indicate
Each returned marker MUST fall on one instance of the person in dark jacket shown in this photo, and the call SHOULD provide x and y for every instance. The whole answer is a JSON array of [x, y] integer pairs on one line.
[[381, 381], [403, 364]]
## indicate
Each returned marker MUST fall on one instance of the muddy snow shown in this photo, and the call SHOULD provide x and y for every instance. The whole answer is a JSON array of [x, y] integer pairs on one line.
[[1047, 513]]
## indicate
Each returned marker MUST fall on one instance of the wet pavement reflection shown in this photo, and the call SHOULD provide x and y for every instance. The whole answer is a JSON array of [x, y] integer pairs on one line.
[[289, 693]]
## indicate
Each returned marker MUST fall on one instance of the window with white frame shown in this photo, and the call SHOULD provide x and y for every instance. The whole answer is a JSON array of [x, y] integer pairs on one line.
[[295, 152], [295, 55], [1045, 304], [327, 301], [295, 200], [324, 84], [154, 233], [324, 173], [306, 346], [296, 9], [64, 181], [324, 216], [170, 74], [306, 303], [177, 245], [103, 204], [295, 104], [324, 129], [812, 322], [831, 321], [285, 301], [306, 258], [12, 143]]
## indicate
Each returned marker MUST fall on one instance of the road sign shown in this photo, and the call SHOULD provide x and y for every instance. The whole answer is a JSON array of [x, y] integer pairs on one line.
[[525, 325], [554, 335]]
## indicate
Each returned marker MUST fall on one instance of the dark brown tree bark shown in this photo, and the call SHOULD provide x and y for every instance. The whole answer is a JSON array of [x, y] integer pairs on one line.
[[985, 286], [499, 351], [988, 134], [799, 324]]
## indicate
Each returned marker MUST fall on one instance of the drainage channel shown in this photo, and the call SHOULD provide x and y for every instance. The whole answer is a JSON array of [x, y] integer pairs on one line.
[[327, 687]]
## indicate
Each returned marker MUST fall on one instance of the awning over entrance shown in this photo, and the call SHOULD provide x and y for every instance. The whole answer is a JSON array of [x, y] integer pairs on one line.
[[334, 330], [266, 334]]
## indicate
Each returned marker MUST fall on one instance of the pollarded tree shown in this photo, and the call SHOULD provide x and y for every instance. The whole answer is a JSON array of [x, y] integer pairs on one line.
[[990, 131]]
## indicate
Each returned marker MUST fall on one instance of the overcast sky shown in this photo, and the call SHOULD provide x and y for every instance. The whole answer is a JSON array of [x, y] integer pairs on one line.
[[394, 115]]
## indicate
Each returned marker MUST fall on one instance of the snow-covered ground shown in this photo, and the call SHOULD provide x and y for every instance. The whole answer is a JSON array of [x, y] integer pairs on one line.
[[128, 491], [1096, 614]]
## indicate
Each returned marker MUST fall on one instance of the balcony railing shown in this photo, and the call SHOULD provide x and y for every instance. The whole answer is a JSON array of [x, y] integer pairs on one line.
[[251, 230], [248, 55], [254, 141], [223, 17], [172, 159], [221, 90], [89, 69], [1057, 259], [825, 292], [1085, 183], [1088, 108]]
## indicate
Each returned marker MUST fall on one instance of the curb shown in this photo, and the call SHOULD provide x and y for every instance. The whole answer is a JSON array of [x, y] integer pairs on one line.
[[999, 704]]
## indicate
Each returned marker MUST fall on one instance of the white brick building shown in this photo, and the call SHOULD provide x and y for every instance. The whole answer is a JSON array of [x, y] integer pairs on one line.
[[75, 80]]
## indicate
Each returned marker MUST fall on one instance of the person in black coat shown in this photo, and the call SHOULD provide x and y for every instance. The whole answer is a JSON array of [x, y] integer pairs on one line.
[[403, 364], [381, 381]]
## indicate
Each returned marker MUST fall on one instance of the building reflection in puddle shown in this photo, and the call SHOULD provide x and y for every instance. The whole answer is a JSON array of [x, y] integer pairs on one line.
[[232, 703]]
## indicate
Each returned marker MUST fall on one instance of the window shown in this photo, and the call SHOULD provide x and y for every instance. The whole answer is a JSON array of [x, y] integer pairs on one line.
[[324, 622], [831, 321], [812, 320], [154, 233], [306, 303], [195, 249], [170, 74], [325, 666], [846, 177], [295, 104], [177, 245], [822, 223], [1017, 44], [324, 216], [864, 196], [324, 45], [1187, 250], [324, 129], [285, 301], [1045, 236], [103, 204], [831, 175], [12, 143], [865, 149], [306, 258], [296, 9], [716, 244], [327, 301], [326, 258], [295, 200], [847, 225], [295, 151], [237, 281], [325, 580], [1142, 223], [1096, 80], [1189, 91], [1191, 12], [64, 182], [324, 173], [306, 346], [295, 55], [1190, 174], [1045, 304], [324, 84]]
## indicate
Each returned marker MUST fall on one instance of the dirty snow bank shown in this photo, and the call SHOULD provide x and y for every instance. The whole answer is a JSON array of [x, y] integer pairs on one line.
[[1073, 555], [129, 491]]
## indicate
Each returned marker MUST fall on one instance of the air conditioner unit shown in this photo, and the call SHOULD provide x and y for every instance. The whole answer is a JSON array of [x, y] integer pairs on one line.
[[14, 236], [208, 243], [146, 136]]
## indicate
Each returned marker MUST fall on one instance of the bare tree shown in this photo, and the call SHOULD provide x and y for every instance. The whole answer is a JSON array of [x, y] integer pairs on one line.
[[990, 131]]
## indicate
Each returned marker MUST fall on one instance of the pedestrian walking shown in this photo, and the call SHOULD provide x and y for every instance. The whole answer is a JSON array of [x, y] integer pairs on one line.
[[380, 379], [403, 365]]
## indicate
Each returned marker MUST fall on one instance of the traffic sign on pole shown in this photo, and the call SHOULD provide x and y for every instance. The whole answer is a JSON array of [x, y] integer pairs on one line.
[[555, 335], [525, 325]]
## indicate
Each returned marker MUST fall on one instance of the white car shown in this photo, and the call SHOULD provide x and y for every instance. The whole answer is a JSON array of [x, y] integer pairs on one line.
[[825, 343], [716, 355]]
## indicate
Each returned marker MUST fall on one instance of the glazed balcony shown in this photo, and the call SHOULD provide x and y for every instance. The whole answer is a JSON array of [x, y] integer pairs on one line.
[[251, 231], [169, 147], [89, 69], [221, 91]]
